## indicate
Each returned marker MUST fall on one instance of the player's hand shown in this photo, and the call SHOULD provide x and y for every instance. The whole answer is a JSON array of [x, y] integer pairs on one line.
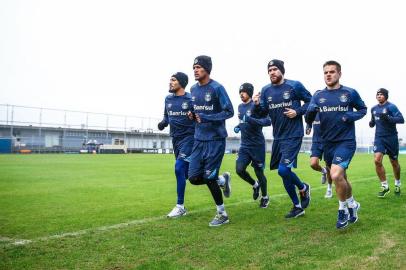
[[291, 113], [384, 116], [190, 115], [371, 124], [308, 129], [237, 129], [256, 98], [198, 119], [162, 125]]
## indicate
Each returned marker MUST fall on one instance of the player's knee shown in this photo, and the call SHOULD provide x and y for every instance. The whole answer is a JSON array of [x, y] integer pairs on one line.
[[197, 180], [239, 169], [378, 162], [259, 171], [180, 167], [336, 176], [395, 163], [283, 171], [314, 164]]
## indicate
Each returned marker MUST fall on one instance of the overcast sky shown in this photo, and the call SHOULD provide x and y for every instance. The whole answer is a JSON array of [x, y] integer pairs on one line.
[[117, 56]]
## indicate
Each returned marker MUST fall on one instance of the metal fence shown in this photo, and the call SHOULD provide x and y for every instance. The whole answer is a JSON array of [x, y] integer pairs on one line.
[[56, 130], [24, 128], [46, 117]]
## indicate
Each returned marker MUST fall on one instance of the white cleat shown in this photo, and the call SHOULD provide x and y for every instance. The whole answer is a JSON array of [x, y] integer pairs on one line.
[[177, 212], [323, 176], [227, 185], [329, 194]]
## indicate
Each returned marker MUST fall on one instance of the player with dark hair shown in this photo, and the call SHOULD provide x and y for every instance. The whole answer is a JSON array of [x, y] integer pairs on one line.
[[252, 148], [316, 154], [182, 129], [335, 105], [281, 100], [211, 107], [385, 115]]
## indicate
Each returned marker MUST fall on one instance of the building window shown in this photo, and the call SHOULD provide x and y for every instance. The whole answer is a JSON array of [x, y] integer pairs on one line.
[[119, 141]]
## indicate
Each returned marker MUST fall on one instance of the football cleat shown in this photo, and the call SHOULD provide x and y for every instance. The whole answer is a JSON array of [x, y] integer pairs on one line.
[[264, 202], [177, 212], [227, 185], [295, 212], [342, 219], [255, 192], [324, 176], [329, 194], [219, 220], [384, 191], [305, 196], [353, 211]]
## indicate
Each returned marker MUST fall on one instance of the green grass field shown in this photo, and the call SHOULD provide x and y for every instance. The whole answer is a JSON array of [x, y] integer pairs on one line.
[[109, 212]]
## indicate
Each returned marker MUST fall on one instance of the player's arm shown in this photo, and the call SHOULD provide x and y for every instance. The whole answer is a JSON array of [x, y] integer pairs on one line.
[[165, 121], [227, 110], [262, 122], [311, 112], [359, 105], [372, 122], [260, 107], [305, 96], [395, 116]]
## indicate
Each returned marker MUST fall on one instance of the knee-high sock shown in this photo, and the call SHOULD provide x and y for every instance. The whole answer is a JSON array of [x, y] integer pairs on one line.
[[259, 172], [215, 191], [295, 180], [181, 168], [241, 170], [284, 172]]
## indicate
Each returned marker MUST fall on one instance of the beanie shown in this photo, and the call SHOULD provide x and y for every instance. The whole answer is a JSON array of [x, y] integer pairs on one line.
[[182, 78], [247, 88], [204, 61], [384, 92], [277, 63]]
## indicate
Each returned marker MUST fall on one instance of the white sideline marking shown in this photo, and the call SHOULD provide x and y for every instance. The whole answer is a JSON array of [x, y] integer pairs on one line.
[[8, 239], [22, 242]]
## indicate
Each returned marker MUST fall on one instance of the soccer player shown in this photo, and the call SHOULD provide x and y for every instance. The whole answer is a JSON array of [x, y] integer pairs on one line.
[[385, 115], [316, 154], [252, 148], [281, 99], [211, 107], [335, 105], [182, 129]]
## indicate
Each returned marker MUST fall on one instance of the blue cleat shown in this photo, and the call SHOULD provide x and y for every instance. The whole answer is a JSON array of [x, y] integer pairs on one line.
[[305, 196], [342, 219], [219, 219], [295, 212], [354, 212]]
